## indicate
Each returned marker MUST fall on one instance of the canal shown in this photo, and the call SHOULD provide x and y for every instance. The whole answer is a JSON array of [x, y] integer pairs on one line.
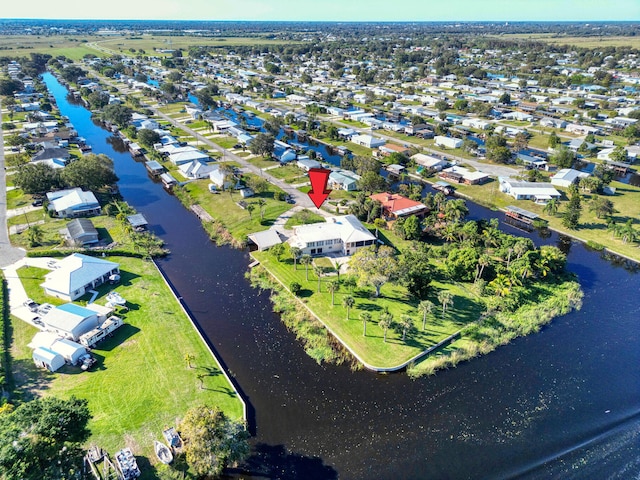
[[564, 403]]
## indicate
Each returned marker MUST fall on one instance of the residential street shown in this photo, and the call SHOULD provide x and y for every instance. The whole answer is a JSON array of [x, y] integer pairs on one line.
[[8, 254]]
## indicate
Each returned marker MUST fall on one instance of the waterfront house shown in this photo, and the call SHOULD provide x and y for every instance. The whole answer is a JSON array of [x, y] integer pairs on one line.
[[539, 192], [464, 175], [343, 180], [566, 177], [395, 206], [70, 320], [368, 141], [72, 203], [53, 156], [429, 161], [447, 142], [80, 231], [196, 169], [337, 235], [77, 274]]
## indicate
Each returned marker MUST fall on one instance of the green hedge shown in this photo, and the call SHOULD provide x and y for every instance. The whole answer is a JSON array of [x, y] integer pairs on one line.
[[93, 253], [6, 378]]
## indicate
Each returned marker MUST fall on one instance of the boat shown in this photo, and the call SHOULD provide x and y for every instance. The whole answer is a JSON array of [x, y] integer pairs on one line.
[[172, 437], [162, 452], [127, 464], [115, 298]]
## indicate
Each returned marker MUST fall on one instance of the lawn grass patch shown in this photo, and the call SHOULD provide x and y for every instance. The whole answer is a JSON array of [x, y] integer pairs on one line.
[[303, 217], [141, 382], [372, 349]]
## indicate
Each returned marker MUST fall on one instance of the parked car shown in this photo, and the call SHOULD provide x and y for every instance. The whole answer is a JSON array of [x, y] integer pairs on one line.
[[31, 305], [44, 309], [37, 321], [37, 202]]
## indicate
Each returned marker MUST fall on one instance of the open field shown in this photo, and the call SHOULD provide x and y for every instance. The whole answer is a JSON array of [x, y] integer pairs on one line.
[[584, 42], [141, 382], [74, 47], [150, 42]]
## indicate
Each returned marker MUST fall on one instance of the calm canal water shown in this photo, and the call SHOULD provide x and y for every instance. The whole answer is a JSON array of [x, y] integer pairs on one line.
[[564, 403]]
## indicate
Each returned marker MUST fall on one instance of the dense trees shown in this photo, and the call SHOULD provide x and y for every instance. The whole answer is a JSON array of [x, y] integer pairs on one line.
[[375, 267], [42, 439], [91, 172], [37, 178], [212, 440], [117, 114], [148, 137], [262, 144], [563, 158]]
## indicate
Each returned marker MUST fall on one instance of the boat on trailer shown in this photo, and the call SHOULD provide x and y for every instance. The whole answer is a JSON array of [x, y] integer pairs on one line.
[[172, 437], [162, 452]]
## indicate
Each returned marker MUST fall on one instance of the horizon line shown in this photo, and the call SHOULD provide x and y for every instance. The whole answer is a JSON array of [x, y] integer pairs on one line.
[[315, 21]]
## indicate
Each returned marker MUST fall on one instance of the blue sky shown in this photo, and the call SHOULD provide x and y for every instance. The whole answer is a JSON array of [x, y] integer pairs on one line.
[[329, 10]]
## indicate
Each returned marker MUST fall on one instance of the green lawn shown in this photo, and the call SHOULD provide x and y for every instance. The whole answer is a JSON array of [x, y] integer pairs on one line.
[[289, 173], [141, 382], [466, 309], [237, 221], [303, 217]]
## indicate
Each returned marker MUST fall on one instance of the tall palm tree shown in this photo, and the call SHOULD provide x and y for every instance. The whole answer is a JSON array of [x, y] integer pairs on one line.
[[446, 299], [501, 285], [261, 203], [295, 254], [306, 260], [348, 302], [318, 270], [483, 261], [365, 317], [406, 323], [385, 321], [332, 288], [425, 307], [337, 266]]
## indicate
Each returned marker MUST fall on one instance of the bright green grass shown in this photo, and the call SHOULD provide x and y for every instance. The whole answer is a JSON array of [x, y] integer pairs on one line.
[[303, 217], [141, 382], [67, 45], [289, 173], [262, 162], [372, 349], [238, 222]]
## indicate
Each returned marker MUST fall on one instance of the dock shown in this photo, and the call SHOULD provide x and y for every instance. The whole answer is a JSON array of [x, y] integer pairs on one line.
[[520, 218], [201, 213]]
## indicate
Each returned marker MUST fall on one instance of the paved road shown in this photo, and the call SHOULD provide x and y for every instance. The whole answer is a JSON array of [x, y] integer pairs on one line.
[[300, 198], [8, 254]]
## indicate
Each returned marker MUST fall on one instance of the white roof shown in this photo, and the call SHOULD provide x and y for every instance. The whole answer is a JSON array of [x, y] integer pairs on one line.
[[188, 156], [265, 239], [65, 199], [347, 228], [67, 317], [67, 348], [43, 340], [427, 160], [568, 175], [76, 271], [48, 356]]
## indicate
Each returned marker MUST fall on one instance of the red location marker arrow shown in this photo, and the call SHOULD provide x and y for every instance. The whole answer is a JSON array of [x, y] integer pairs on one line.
[[319, 178]]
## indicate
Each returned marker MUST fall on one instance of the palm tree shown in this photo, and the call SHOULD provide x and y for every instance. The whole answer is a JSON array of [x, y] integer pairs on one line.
[[501, 285], [250, 208], [551, 207], [425, 307], [189, 358], [306, 260], [365, 317], [386, 320], [406, 322], [332, 288], [348, 302], [483, 262], [337, 266], [261, 203], [627, 232], [200, 377], [318, 270], [35, 235], [295, 254], [446, 299]]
